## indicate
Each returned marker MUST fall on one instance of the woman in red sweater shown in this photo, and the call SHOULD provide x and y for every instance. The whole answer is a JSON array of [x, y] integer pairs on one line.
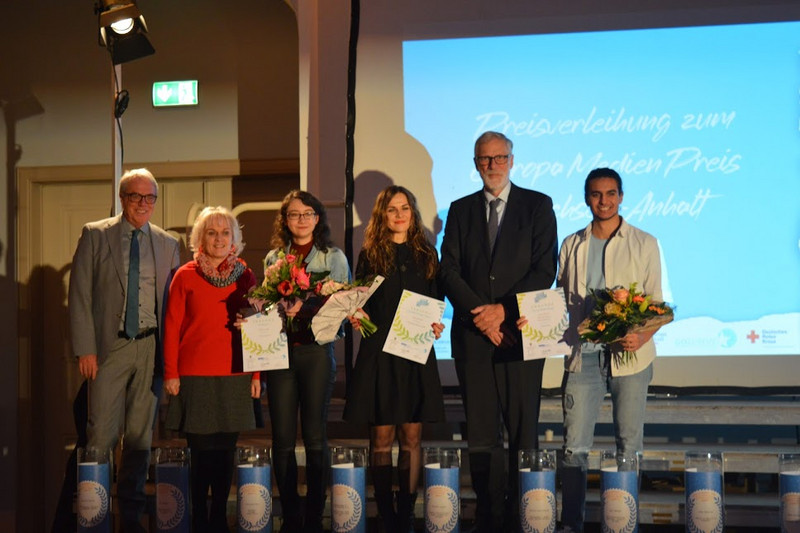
[[211, 396]]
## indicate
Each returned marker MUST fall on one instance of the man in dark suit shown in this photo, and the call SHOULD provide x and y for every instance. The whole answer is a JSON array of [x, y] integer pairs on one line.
[[119, 273], [497, 242]]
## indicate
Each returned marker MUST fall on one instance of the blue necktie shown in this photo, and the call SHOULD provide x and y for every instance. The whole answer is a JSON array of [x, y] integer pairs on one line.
[[132, 306]]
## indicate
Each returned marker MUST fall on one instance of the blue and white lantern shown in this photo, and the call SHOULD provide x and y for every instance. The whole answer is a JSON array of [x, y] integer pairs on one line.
[[254, 490], [442, 498], [348, 490], [94, 490]]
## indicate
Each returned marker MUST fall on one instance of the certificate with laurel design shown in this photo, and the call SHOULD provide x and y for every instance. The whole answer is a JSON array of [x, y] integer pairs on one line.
[[411, 335], [264, 344], [546, 311]]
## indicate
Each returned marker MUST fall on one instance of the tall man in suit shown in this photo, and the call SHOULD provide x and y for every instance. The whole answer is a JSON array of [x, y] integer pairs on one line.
[[498, 242], [119, 273]]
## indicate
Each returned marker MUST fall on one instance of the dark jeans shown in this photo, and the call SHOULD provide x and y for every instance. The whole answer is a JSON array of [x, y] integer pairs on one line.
[[305, 386]]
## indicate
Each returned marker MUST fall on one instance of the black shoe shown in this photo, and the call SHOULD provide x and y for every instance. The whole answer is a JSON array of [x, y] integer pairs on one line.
[[292, 524], [129, 526]]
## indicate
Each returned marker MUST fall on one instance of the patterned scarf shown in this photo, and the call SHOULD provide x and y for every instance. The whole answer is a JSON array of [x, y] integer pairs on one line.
[[226, 273]]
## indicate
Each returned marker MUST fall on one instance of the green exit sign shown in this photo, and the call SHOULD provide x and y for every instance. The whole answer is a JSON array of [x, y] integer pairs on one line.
[[174, 93]]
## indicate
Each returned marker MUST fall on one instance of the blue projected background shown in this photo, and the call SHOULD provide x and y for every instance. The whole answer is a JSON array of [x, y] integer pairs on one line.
[[702, 123]]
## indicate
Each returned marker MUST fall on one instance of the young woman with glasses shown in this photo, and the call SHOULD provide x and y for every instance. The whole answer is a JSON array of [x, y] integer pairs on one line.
[[301, 228]]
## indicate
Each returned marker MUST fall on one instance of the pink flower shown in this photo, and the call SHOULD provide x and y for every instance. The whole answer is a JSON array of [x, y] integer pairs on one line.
[[621, 295], [291, 258], [272, 270], [301, 277], [329, 287]]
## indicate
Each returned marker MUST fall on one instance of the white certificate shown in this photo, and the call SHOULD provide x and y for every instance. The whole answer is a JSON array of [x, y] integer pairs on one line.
[[546, 312], [411, 335], [264, 343]]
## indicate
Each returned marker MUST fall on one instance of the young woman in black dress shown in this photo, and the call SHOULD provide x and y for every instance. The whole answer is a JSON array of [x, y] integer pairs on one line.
[[391, 394]]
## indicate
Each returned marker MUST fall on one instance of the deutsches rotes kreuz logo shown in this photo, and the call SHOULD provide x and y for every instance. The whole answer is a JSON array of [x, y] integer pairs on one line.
[[538, 511], [255, 507], [92, 503], [171, 506], [347, 508]]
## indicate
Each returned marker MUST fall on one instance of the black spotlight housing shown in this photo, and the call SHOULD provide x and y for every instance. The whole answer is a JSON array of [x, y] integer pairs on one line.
[[123, 30]]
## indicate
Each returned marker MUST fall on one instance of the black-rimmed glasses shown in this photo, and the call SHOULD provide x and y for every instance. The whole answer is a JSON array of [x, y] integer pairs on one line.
[[294, 216], [135, 197], [484, 160]]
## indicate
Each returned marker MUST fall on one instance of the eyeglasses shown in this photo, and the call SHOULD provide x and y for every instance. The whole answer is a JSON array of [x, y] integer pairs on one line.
[[295, 216], [484, 160], [135, 197]]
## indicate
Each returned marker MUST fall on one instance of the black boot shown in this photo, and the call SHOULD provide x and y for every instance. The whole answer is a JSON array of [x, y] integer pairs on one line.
[[285, 466], [316, 483], [199, 468], [573, 498], [405, 511], [384, 497], [221, 489]]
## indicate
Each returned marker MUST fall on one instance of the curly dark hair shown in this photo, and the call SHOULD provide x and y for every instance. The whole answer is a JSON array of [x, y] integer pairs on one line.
[[378, 242], [282, 237]]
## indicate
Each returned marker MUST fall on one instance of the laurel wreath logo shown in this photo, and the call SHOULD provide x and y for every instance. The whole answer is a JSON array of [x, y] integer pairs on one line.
[[690, 506], [630, 525], [255, 348], [102, 495], [537, 335], [451, 524], [403, 334], [527, 527], [263, 521], [355, 518], [180, 508]]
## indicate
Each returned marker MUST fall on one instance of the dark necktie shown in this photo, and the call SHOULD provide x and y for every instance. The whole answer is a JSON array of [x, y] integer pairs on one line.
[[493, 222], [132, 306]]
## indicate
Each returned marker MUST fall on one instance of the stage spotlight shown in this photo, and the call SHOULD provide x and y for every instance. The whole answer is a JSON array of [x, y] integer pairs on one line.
[[122, 30]]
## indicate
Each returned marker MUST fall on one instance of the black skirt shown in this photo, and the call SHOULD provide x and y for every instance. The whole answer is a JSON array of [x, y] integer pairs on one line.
[[212, 404]]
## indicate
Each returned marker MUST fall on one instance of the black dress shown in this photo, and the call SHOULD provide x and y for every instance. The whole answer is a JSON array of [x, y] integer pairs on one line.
[[386, 389]]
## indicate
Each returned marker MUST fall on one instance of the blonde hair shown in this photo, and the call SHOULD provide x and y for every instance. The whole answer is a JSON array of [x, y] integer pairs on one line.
[[206, 217]]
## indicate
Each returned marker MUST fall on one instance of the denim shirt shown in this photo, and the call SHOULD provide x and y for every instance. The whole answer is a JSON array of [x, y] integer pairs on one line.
[[333, 261]]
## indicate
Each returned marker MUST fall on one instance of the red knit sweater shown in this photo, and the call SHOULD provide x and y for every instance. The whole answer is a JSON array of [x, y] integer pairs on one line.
[[199, 336]]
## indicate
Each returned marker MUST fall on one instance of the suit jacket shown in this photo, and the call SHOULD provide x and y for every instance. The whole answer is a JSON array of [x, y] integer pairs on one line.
[[98, 281], [524, 260]]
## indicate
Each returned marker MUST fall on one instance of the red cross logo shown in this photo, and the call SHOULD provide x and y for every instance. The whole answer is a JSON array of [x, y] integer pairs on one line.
[[753, 336]]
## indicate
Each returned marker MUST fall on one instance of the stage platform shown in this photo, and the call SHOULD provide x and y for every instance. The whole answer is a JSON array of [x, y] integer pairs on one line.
[[750, 433]]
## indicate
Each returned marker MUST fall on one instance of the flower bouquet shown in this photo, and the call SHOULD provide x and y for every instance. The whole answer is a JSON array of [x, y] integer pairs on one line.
[[343, 300], [619, 311], [285, 280]]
